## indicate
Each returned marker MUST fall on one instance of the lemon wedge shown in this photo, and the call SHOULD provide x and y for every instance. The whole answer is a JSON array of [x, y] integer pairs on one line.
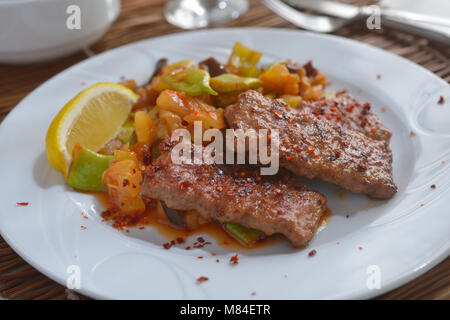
[[92, 118]]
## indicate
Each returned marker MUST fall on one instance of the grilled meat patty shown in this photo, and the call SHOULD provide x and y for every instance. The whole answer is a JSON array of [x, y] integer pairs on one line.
[[316, 147], [271, 204], [351, 113]]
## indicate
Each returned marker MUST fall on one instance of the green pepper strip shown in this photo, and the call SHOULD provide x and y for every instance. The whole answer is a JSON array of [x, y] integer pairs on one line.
[[229, 82], [245, 235], [193, 81], [87, 169]]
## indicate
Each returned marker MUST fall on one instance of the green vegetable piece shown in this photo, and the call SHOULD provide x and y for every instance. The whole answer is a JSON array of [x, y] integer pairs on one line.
[[243, 61], [193, 81], [229, 82], [245, 235], [181, 64], [126, 135], [87, 168], [270, 95]]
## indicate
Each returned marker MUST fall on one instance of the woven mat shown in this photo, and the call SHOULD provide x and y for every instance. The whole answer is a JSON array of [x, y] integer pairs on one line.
[[142, 19]]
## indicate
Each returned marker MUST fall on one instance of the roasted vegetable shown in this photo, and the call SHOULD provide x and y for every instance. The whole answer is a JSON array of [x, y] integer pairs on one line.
[[181, 219], [292, 101], [311, 86], [127, 135], [193, 81], [143, 125], [123, 180], [191, 109], [180, 65], [277, 79], [120, 155], [229, 82], [171, 120], [243, 61], [87, 168], [214, 67], [244, 235]]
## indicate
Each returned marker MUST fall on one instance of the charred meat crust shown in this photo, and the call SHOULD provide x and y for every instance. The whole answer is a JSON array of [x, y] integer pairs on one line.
[[271, 204], [317, 147], [349, 112]]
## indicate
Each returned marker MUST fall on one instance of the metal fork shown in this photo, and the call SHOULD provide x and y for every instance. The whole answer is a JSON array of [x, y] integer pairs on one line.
[[305, 21]]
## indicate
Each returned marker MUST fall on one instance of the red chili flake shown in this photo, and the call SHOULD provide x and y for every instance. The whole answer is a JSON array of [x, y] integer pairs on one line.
[[312, 253], [433, 186], [441, 100], [180, 240], [443, 162], [141, 228], [350, 108], [360, 248], [83, 83], [412, 134], [217, 260], [85, 217], [317, 156], [383, 109], [202, 279], [234, 259], [83, 228], [373, 130], [253, 293], [200, 239], [188, 248], [378, 76], [199, 257], [167, 245], [213, 254], [22, 204], [279, 116], [125, 182], [421, 204], [288, 158]]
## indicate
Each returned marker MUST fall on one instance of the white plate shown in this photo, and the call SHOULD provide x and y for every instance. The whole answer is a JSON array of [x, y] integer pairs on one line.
[[401, 238]]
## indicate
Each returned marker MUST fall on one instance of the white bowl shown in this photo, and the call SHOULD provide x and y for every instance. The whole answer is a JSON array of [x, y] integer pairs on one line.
[[37, 30]]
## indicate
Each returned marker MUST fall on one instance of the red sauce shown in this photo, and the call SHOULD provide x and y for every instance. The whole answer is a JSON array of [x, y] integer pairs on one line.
[[213, 230]]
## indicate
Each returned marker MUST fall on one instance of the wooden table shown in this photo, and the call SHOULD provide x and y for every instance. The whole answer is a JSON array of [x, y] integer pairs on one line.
[[142, 19]]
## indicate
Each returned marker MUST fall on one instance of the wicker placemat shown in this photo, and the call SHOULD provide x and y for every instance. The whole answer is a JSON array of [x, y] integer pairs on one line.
[[142, 19]]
